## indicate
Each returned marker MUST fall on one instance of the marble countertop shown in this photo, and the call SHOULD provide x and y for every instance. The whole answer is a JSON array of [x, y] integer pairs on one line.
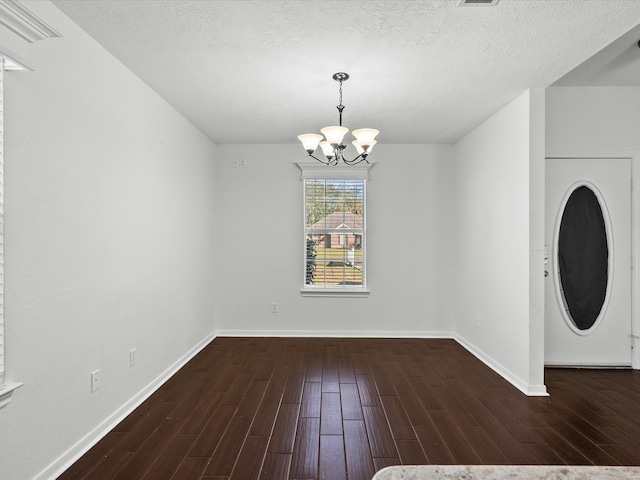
[[506, 472]]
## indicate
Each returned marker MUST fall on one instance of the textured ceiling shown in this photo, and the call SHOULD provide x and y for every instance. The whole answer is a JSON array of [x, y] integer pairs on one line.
[[421, 71], [617, 64]]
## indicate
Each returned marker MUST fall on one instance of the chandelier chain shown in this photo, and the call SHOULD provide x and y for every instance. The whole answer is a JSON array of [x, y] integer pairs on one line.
[[340, 107]]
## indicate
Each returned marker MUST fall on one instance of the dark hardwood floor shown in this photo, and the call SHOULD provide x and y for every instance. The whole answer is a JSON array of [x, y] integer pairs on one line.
[[341, 409]]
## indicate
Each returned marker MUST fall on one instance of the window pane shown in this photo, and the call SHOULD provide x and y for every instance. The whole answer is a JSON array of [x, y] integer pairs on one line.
[[315, 201], [334, 232], [583, 257]]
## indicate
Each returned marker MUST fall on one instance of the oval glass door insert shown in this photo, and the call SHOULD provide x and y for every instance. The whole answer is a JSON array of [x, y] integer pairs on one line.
[[583, 257]]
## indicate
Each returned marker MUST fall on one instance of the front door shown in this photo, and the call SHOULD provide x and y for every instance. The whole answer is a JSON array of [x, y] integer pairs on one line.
[[588, 248]]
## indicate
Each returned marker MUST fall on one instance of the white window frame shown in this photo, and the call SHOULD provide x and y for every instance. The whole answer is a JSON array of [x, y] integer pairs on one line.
[[6, 389], [312, 169], [2, 381], [19, 28]]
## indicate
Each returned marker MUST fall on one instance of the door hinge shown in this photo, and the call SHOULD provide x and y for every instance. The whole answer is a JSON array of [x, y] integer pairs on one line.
[[634, 340], [633, 263], [631, 183]]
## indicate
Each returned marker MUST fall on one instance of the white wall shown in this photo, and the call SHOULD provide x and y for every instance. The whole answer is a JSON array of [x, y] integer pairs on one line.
[[122, 231], [537, 144], [592, 119], [109, 242], [602, 121], [495, 238], [409, 256]]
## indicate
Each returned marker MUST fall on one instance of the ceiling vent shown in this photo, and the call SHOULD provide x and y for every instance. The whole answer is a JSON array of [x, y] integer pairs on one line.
[[477, 3]]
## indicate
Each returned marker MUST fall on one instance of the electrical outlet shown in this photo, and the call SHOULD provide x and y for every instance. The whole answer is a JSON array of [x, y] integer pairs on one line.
[[96, 380], [238, 163], [132, 357], [274, 307]]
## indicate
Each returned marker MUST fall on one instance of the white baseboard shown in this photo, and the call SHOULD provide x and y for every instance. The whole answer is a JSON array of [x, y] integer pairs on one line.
[[82, 446], [508, 375], [527, 389], [524, 387], [331, 334]]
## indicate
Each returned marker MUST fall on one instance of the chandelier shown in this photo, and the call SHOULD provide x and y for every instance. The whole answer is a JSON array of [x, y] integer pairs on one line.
[[331, 144]]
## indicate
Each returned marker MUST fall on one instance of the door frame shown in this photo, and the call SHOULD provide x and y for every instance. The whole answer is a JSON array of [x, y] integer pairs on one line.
[[634, 156]]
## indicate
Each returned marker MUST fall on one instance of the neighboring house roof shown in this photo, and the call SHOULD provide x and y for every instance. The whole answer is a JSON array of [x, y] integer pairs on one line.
[[342, 220]]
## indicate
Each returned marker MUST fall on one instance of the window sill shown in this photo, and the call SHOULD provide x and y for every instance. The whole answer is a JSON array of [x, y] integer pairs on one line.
[[6, 391], [334, 292]]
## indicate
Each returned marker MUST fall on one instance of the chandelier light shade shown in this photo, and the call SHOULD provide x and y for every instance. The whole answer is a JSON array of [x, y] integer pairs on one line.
[[360, 148], [332, 144], [310, 141], [334, 135]]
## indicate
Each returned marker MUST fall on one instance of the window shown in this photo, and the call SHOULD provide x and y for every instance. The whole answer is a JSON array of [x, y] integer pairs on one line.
[[334, 230], [19, 28], [6, 389], [1, 223]]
